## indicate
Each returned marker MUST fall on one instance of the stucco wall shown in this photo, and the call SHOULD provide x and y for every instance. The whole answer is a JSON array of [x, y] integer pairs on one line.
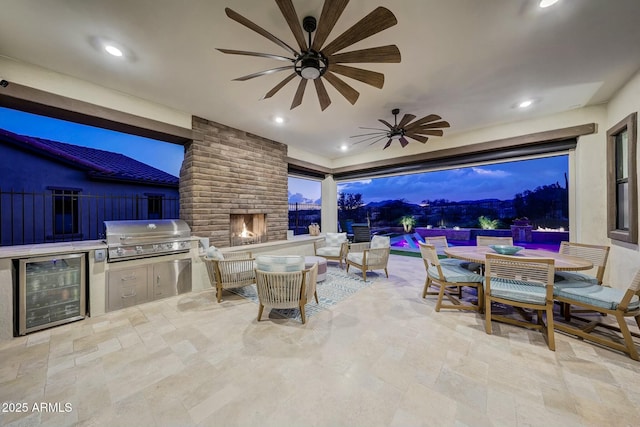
[[624, 258]]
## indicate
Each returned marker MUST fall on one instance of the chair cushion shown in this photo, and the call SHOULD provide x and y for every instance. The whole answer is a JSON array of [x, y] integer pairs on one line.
[[380, 242], [571, 276], [599, 296], [455, 274], [280, 263], [214, 253], [331, 251], [515, 290], [335, 239]]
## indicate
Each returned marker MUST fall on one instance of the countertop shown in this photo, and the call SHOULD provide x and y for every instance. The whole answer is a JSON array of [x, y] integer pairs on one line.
[[28, 251]]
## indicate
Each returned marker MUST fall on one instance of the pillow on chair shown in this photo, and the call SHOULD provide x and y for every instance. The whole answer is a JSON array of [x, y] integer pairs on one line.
[[380, 242], [280, 263], [335, 239], [214, 253]]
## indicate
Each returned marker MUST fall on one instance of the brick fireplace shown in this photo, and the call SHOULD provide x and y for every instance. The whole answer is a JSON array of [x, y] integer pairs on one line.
[[228, 172]]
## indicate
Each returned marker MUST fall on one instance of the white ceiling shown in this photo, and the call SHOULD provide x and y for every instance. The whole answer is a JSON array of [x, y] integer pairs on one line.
[[469, 61]]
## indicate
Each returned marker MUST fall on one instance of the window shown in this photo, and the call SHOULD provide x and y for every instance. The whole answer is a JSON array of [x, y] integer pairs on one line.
[[65, 211], [154, 207], [305, 205], [622, 215]]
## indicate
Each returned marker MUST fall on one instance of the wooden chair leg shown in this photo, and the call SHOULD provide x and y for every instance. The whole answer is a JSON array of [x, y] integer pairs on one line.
[[315, 294], [440, 297], [347, 267], [364, 274], [302, 313], [386, 272], [427, 283], [219, 293], [487, 314], [551, 340], [628, 340], [260, 309]]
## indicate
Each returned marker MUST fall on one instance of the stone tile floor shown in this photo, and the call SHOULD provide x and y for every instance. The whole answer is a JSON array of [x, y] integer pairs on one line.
[[382, 357]]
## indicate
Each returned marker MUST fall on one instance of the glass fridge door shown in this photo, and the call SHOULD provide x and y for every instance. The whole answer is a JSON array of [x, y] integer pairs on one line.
[[51, 291]]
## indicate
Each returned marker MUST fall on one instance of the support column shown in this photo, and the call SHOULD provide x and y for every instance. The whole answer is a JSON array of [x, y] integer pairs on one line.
[[329, 213]]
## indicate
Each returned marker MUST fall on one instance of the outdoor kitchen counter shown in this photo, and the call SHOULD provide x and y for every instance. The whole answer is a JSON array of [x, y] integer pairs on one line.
[[29, 251]]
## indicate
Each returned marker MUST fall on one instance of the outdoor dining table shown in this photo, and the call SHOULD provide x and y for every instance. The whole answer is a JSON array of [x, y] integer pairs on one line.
[[478, 255]]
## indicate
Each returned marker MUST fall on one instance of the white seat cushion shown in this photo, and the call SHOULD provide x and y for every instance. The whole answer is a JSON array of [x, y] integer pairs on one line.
[[214, 253], [355, 257], [332, 251]]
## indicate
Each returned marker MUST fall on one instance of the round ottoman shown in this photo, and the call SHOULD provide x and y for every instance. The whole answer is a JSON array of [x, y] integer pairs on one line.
[[322, 265]]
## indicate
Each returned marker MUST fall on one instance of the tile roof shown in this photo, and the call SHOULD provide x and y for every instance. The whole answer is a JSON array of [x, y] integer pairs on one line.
[[99, 164]]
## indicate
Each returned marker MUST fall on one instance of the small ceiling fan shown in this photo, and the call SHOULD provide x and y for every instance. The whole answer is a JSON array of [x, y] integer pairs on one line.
[[428, 125], [317, 61]]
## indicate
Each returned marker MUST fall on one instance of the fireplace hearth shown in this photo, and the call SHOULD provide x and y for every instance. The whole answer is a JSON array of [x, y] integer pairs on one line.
[[247, 229]]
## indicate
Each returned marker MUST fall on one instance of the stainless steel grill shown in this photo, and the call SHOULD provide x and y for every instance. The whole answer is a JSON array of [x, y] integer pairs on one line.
[[146, 238]]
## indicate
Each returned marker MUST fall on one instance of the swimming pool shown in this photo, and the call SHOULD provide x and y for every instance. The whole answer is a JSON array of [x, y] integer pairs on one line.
[[408, 242]]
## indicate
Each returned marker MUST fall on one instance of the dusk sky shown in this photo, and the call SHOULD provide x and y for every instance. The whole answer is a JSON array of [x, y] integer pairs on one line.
[[162, 155], [501, 180]]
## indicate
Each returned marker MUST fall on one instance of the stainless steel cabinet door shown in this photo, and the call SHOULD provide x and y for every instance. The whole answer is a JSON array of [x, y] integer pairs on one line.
[[127, 287], [171, 278]]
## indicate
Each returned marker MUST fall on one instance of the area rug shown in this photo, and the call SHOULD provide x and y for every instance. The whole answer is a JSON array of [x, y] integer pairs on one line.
[[338, 286]]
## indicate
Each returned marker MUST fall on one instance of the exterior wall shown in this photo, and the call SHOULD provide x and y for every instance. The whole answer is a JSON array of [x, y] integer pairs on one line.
[[624, 258], [228, 171], [31, 173]]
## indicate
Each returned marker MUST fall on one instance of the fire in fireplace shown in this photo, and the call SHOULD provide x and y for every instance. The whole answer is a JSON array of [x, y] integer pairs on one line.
[[247, 229]]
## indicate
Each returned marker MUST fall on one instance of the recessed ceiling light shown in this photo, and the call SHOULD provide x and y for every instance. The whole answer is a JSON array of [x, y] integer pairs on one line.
[[111, 49], [525, 104], [344, 147], [547, 3], [278, 119]]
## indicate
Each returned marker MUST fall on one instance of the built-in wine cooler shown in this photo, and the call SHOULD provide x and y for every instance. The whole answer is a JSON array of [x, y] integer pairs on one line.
[[51, 291]]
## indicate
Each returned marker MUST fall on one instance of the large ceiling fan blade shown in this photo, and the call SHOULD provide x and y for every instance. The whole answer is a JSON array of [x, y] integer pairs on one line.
[[406, 119], [386, 123], [331, 11], [378, 140], [323, 96], [372, 78], [378, 137], [378, 20], [263, 73], [250, 25], [419, 138], [387, 144], [424, 120], [403, 141], [290, 15], [432, 132], [347, 91], [262, 55], [380, 54], [297, 99], [279, 86], [435, 125], [368, 134]]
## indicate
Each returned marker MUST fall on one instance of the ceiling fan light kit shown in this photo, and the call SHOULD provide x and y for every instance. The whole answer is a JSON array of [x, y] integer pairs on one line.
[[317, 61], [418, 130]]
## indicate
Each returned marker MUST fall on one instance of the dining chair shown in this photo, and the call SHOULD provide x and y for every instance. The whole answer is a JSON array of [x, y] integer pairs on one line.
[[230, 270], [441, 243], [597, 254], [524, 283], [282, 282], [449, 278], [493, 240], [615, 302]]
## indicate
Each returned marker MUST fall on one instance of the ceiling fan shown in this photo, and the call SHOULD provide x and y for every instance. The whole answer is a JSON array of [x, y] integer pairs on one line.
[[428, 125], [317, 61]]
